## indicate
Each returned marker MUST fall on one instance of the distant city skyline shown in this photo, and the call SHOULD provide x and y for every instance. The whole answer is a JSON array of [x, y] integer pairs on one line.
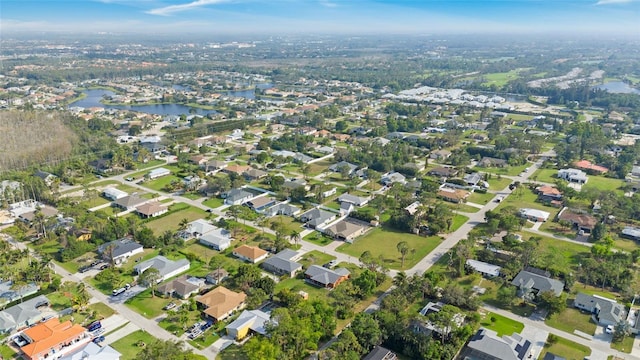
[[615, 17]]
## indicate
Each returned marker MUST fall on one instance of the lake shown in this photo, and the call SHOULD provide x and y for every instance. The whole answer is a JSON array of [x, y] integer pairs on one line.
[[618, 87], [94, 96]]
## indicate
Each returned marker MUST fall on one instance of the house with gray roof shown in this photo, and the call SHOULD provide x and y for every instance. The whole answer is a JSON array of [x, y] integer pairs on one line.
[[353, 199], [118, 251], [9, 294], [283, 263], [92, 351], [158, 172], [218, 239], [605, 311], [537, 283], [486, 345], [130, 202], [23, 314], [167, 268], [630, 232], [317, 218], [237, 197], [282, 209], [486, 269], [326, 278], [338, 166], [393, 177]]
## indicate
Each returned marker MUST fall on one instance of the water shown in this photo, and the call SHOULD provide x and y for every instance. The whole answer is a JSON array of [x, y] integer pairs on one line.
[[618, 87], [94, 96]]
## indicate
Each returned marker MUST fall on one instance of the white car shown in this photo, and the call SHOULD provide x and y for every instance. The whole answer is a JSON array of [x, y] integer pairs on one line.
[[609, 329]]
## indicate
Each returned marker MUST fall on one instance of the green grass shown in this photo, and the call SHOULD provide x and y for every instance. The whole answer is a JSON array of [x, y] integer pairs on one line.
[[318, 239], [7, 352], [213, 202], [97, 201], [625, 244], [602, 183], [507, 170], [149, 164], [146, 305], [315, 258], [571, 319], [192, 196], [462, 207], [296, 285], [496, 183], [458, 221], [502, 325], [233, 352], [545, 175], [172, 221], [126, 188], [625, 345], [288, 224], [205, 340], [566, 349], [383, 242], [500, 79], [160, 183], [480, 198], [525, 198], [128, 345], [105, 183]]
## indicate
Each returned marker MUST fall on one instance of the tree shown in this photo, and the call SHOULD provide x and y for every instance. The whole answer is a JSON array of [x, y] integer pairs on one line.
[[183, 315], [403, 249], [367, 330], [261, 348], [295, 236], [81, 297], [621, 330], [555, 304], [150, 278], [506, 294], [215, 263], [366, 283], [165, 349]]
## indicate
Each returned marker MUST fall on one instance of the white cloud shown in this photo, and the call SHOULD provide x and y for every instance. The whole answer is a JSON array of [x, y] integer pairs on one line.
[[607, 2], [328, 3], [167, 10]]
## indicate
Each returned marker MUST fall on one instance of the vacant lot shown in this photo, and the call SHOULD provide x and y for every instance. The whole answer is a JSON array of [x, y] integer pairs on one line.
[[172, 221], [160, 183], [507, 170], [566, 349], [384, 242], [572, 319], [147, 305], [545, 175], [602, 183], [213, 202], [130, 345], [501, 324], [480, 198]]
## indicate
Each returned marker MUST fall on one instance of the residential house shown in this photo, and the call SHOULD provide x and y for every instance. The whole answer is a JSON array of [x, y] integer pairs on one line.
[[584, 223], [337, 167], [492, 162], [446, 172], [455, 196], [48, 178], [330, 192], [182, 287], [249, 322], [294, 184], [548, 193], [53, 339], [119, 251], [217, 239], [326, 278], [236, 169], [10, 293], [167, 268], [283, 263], [485, 344], [552, 356], [380, 353], [346, 208], [346, 230], [605, 311], [113, 194], [486, 269], [341, 137], [236, 197], [472, 179], [129, 203], [151, 209], [197, 228], [214, 165], [630, 232], [283, 209], [45, 210], [440, 155], [590, 167], [217, 276], [158, 172], [261, 203], [393, 177], [412, 208], [92, 351], [252, 254], [198, 160], [83, 234], [220, 303], [315, 218], [428, 328], [534, 215], [23, 314], [352, 199], [254, 174], [538, 283], [573, 176]]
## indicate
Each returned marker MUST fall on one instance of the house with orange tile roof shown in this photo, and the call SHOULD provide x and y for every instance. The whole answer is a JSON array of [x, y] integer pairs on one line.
[[238, 169], [251, 254], [588, 166], [53, 339], [221, 302]]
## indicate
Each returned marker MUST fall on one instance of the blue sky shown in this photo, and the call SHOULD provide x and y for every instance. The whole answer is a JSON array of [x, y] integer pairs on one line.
[[332, 16]]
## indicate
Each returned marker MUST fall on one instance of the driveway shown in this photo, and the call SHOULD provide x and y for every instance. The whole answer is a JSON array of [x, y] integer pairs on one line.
[[122, 298], [538, 338]]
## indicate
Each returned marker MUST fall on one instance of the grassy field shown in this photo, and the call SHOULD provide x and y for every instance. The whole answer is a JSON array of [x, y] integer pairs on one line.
[[213, 202], [507, 170], [458, 220], [97, 201], [288, 224], [160, 183], [318, 239], [315, 258], [625, 345], [602, 183], [128, 345], [105, 183], [480, 198], [383, 242], [146, 305], [572, 319], [525, 198], [501, 325], [171, 221], [500, 79], [496, 183], [545, 175], [8, 353], [566, 349]]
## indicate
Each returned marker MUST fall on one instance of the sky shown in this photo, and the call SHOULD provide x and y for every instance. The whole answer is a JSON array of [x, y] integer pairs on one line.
[[322, 16]]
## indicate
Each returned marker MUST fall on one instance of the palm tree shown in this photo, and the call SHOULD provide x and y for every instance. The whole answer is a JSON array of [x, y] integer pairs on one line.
[[295, 236], [81, 297], [403, 249], [150, 278], [400, 279]]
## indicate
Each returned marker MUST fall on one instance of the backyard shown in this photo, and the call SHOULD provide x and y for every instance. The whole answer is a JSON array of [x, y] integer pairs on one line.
[[172, 221], [384, 242]]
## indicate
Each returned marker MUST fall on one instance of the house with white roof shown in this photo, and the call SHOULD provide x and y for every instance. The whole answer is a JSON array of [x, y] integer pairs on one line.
[[573, 176], [167, 268], [218, 239], [534, 215], [249, 322], [158, 172], [113, 194], [486, 269]]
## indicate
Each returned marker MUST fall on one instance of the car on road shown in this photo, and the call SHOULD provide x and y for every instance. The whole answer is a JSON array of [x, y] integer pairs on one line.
[[129, 178], [499, 199], [609, 329], [103, 266], [84, 269]]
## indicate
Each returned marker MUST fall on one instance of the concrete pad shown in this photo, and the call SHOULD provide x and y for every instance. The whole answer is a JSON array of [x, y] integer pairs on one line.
[[222, 343], [537, 337], [119, 334]]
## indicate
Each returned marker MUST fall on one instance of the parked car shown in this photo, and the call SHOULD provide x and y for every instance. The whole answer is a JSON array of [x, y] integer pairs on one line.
[[129, 178], [117, 292], [331, 264], [104, 266], [94, 326], [169, 306], [609, 329], [98, 339]]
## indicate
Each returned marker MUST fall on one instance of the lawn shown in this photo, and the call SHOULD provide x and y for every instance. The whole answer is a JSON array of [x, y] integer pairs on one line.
[[502, 325], [458, 221], [565, 348], [288, 224], [233, 352], [296, 285], [192, 196], [525, 198], [96, 201], [545, 175], [571, 319], [507, 170], [557, 229], [501, 78], [318, 239], [213, 202], [146, 305], [625, 244], [7, 353], [315, 258], [128, 345], [383, 242], [496, 183], [480, 198], [625, 345], [172, 221], [160, 183], [149, 164], [127, 188], [603, 184], [462, 207]]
